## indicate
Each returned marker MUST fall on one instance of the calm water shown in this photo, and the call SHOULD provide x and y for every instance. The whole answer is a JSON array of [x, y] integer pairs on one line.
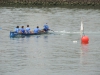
[[50, 54]]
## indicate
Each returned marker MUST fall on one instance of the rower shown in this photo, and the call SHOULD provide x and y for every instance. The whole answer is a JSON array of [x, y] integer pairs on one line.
[[36, 30], [46, 27], [17, 29], [22, 29], [27, 29]]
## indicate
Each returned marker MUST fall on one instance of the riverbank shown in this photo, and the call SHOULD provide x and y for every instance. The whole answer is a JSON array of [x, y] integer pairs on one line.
[[51, 2], [95, 4]]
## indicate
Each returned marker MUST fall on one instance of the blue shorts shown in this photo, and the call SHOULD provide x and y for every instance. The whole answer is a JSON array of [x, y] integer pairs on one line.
[[45, 29]]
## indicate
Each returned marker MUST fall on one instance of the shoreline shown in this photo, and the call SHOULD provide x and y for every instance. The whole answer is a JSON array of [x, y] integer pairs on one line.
[[52, 6], [51, 3]]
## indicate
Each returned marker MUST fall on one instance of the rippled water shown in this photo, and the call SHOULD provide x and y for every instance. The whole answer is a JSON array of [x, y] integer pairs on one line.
[[60, 53]]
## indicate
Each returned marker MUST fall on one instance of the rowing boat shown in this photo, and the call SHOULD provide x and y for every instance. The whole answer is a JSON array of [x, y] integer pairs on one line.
[[14, 34]]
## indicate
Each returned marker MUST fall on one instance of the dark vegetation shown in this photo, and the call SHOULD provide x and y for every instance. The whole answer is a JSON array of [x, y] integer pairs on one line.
[[50, 2]]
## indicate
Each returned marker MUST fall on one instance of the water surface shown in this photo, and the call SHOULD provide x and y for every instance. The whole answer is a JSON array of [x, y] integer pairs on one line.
[[50, 54]]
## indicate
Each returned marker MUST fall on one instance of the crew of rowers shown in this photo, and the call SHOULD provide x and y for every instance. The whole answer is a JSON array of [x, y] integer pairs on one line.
[[27, 29]]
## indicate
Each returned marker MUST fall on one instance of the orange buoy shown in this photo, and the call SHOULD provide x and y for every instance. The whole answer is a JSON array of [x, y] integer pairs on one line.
[[84, 40]]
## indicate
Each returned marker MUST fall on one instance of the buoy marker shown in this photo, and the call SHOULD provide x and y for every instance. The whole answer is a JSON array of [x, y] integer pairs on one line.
[[84, 38]]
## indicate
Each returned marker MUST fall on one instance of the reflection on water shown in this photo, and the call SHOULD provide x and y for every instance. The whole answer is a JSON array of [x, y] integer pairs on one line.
[[84, 58], [87, 61], [84, 48], [84, 54]]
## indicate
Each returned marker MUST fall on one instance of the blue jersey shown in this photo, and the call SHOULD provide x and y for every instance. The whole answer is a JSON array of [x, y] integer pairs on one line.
[[46, 27], [27, 30], [17, 30], [22, 30], [36, 30]]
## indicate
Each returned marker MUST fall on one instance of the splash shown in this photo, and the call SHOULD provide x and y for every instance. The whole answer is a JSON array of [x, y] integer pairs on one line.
[[68, 32]]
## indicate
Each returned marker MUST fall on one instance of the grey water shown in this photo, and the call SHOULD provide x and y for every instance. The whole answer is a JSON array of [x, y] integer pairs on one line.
[[59, 53]]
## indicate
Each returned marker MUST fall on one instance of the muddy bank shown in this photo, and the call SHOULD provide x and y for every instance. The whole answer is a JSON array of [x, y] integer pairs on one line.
[[61, 3]]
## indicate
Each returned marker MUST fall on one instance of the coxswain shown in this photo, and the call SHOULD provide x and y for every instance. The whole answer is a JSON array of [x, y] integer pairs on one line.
[[46, 27]]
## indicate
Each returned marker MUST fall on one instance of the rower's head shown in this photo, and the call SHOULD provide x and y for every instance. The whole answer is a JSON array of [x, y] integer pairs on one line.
[[27, 25], [17, 27], [22, 26], [37, 26]]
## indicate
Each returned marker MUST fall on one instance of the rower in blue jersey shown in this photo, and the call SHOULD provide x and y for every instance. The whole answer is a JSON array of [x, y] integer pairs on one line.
[[46, 27], [27, 29], [22, 29], [36, 30], [17, 29]]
